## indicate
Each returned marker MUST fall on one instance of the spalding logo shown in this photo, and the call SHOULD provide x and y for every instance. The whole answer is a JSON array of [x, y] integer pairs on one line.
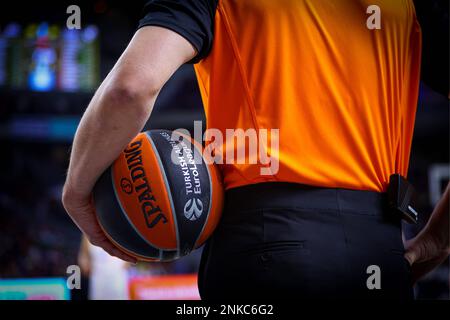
[[126, 186], [193, 209]]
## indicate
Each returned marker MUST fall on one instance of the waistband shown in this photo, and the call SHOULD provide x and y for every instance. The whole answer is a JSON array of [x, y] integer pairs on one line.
[[292, 195]]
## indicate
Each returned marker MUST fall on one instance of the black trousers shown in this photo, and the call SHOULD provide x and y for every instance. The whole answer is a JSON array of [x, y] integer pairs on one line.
[[289, 241]]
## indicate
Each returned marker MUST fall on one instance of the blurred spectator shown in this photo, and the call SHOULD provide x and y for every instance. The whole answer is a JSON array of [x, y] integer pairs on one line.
[[108, 276]]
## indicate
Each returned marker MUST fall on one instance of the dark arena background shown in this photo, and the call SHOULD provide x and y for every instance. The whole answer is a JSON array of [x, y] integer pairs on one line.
[[40, 107]]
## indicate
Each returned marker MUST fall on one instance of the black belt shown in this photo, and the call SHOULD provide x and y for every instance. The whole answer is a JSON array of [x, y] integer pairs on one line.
[[288, 195], [293, 195]]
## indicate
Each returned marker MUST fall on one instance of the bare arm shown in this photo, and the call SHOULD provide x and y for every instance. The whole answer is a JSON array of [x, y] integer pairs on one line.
[[117, 113], [431, 246]]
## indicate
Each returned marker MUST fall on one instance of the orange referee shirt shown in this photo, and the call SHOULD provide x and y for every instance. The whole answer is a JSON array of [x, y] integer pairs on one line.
[[342, 96]]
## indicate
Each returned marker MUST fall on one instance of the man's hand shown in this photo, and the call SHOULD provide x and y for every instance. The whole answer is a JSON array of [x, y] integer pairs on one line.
[[424, 254], [81, 210], [431, 246], [117, 113]]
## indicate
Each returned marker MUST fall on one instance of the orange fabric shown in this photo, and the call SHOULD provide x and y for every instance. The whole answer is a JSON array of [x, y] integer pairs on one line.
[[343, 96]]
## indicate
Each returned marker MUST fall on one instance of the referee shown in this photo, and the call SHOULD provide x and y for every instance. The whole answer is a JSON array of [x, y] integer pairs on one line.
[[343, 96]]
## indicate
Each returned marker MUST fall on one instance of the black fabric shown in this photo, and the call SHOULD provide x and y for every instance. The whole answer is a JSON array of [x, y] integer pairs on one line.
[[281, 240], [433, 16], [183, 192], [192, 19]]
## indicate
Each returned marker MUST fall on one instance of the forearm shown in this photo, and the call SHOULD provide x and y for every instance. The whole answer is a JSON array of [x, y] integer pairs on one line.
[[116, 114], [108, 125], [122, 105]]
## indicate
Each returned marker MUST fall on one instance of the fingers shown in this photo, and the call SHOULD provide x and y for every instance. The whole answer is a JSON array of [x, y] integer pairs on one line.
[[410, 252], [97, 238], [423, 255], [420, 269], [83, 214], [106, 245], [411, 257]]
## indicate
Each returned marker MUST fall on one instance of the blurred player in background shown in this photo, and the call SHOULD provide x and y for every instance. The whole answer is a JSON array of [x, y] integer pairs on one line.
[[108, 276]]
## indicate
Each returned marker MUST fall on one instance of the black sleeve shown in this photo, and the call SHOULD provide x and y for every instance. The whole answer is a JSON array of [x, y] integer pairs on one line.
[[192, 19], [434, 22]]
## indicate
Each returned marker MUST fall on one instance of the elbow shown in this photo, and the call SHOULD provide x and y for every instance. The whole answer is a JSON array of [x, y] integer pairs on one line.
[[130, 96]]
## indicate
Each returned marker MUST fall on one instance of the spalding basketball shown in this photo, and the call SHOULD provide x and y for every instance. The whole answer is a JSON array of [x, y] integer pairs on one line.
[[160, 199]]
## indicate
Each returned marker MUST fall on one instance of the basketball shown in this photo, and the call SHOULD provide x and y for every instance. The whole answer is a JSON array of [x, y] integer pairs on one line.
[[160, 199]]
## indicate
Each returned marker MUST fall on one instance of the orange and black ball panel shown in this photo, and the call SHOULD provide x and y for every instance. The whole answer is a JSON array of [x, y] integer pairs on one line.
[[160, 199]]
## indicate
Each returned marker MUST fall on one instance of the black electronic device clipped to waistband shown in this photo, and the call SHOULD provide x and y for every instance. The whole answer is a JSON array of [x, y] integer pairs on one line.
[[401, 195]]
